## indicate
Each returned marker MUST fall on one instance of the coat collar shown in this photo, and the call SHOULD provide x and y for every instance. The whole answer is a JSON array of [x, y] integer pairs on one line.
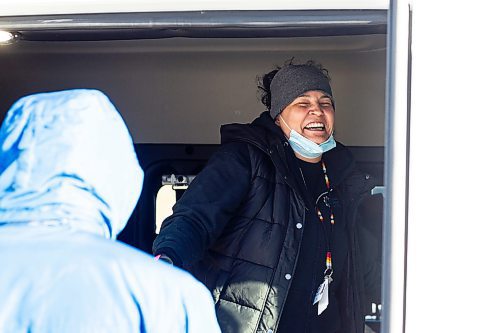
[[264, 134]]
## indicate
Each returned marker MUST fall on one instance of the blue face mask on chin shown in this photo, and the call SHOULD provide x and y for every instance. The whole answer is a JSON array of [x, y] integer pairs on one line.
[[307, 148]]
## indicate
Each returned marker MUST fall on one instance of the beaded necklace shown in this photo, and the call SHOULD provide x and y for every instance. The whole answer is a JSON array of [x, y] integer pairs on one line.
[[322, 292], [322, 220]]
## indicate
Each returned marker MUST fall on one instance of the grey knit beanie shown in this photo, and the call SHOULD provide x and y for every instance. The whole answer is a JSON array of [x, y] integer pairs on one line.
[[293, 80]]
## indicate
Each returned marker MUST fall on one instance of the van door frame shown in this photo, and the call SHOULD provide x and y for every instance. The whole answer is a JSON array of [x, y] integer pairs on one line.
[[397, 165]]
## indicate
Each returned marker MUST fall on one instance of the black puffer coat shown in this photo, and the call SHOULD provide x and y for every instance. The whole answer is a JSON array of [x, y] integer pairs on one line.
[[235, 227]]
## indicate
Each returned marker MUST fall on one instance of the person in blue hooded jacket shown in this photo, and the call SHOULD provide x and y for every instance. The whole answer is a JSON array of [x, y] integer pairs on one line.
[[69, 180]]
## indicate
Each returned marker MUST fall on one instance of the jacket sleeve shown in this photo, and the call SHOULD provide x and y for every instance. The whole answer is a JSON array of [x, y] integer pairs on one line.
[[202, 212]]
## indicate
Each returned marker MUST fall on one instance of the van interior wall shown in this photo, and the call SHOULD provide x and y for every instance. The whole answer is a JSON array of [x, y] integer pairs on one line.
[[180, 90], [175, 93]]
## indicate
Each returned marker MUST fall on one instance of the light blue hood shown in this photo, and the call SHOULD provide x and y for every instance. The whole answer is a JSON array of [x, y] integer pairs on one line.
[[68, 176], [67, 158]]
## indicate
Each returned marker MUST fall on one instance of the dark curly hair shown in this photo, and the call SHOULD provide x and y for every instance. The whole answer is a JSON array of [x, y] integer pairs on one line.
[[264, 81]]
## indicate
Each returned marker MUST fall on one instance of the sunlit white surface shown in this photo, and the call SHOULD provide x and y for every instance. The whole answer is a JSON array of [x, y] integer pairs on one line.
[[454, 221], [34, 7], [165, 200], [6, 36]]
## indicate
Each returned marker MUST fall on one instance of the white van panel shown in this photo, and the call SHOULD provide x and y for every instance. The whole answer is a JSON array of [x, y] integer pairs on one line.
[[453, 209], [34, 7]]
